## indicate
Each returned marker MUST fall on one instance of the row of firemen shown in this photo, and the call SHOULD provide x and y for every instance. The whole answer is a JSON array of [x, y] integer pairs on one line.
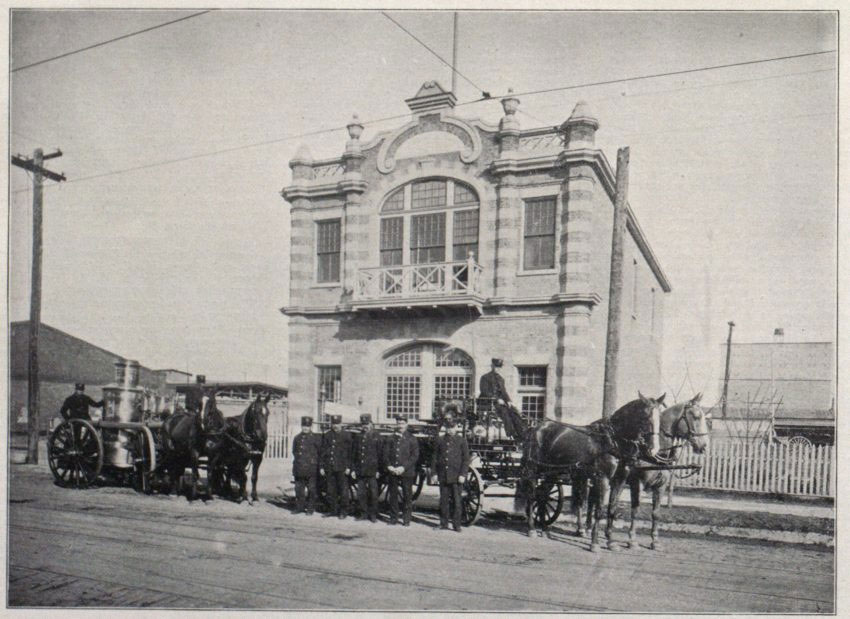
[[364, 456]]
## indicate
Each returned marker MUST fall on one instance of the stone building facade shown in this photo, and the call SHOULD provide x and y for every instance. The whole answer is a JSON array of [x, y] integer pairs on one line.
[[418, 256]]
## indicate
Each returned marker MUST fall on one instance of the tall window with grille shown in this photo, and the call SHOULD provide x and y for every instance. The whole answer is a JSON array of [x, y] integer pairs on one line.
[[532, 391], [539, 234], [422, 377], [429, 221], [328, 250], [330, 386]]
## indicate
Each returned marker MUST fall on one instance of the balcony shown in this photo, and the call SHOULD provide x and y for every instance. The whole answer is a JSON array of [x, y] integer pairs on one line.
[[438, 284]]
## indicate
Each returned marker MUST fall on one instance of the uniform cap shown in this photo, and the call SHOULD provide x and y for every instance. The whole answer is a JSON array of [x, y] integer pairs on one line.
[[400, 419], [365, 418], [79, 387], [306, 421], [336, 419], [496, 362]]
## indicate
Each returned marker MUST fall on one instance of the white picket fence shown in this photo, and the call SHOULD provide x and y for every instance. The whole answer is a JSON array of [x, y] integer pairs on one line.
[[807, 470], [278, 444]]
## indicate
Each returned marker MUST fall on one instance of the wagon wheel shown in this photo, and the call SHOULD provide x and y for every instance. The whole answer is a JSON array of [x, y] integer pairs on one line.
[[472, 498], [421, 477], [548, 502], [799, 440], [145, 461], [75, 453]]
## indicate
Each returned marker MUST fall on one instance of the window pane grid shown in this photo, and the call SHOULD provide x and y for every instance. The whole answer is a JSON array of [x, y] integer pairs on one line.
[[452, 359], [428, 238], [532, 376], [328, 251], [534, 407], [407, 359], [539, 242], [395, 202], [427, 194], [392, 239], [330, 385], [464, 195], [451, 387], [403, 396]]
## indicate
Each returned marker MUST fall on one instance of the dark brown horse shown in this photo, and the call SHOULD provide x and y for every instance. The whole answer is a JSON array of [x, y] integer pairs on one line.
[[589, 453], [682, 423], [243, 444], [182, 440]]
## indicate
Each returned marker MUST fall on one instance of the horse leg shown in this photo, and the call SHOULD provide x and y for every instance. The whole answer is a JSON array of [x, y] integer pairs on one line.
[[579, 490], [634, 489], [656, 501], [596, 509], [193, 490], [255, 469], [242, 476], [617, 483], [529, 506]]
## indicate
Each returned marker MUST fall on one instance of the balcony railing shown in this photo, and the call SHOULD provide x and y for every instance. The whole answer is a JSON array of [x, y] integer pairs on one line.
[[453, 279]]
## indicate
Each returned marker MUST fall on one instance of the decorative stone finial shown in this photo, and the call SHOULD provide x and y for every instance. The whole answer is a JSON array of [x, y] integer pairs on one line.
[[302, 164], [510, 103], [355, 128], [580, 128]]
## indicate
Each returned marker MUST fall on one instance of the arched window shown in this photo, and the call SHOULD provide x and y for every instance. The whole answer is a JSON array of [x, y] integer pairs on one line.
[[421, 374], [429, 221]]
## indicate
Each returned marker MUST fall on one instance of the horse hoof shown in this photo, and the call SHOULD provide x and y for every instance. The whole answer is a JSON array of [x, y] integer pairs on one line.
[[614, 547], [581, 533], [594, 548], [655, 546], [531, 533], [630, 545]]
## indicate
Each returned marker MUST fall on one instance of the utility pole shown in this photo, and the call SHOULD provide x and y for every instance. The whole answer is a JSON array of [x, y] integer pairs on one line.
[[454, 55], [35, 165], [615, 290], [726, 376]]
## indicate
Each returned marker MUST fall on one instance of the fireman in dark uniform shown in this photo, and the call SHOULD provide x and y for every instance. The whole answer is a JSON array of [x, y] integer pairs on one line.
[[492, 386], [306, 450], [76, 406], [195, 395], [364, 468], [450, 463], [336, 464], [401, 458]]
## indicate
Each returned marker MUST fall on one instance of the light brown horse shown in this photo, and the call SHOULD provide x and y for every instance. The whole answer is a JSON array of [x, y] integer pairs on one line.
[[685, 422], [590, 453]]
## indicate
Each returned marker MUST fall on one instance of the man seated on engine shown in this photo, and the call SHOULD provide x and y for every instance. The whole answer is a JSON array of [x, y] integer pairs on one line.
[[492, 386]]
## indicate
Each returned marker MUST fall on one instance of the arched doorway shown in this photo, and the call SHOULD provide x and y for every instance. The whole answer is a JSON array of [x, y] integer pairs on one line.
[[417, 375]]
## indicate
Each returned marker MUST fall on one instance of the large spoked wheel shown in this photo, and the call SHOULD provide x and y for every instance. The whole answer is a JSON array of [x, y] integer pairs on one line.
[[472, 497], [75, 453], [145, 462], [548, 503], [421, 477]]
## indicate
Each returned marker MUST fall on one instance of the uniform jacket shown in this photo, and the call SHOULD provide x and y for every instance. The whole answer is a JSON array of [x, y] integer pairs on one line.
[[402, 450], [306, 450], [336, 451], [78, 406], [366, 453], [492, 385], [451, 458]]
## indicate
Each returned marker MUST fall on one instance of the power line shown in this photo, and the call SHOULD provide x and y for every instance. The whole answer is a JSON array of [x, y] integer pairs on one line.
[[484, 94], [123, 36], [400, 116], [656, 75]]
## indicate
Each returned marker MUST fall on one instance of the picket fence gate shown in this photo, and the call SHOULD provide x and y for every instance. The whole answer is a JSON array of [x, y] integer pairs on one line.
[[278, 443], [807, 470]]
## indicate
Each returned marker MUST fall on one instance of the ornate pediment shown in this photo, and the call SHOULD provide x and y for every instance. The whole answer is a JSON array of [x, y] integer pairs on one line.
[[469, 139]]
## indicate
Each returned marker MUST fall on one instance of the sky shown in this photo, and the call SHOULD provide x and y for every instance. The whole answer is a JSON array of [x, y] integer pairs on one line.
[[162, 252]]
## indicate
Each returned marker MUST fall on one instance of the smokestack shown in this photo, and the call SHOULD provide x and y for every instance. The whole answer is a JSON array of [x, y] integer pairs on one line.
[[778, 335]]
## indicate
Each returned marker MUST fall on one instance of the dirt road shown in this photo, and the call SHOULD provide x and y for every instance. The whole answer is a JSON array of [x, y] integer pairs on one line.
[[113, 547]]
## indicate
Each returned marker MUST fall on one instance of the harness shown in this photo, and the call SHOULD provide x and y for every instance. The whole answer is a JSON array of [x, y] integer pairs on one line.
[[628, 450], [670, 456]]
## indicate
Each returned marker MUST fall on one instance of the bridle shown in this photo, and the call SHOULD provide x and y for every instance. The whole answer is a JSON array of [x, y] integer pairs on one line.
[[691, 431]]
